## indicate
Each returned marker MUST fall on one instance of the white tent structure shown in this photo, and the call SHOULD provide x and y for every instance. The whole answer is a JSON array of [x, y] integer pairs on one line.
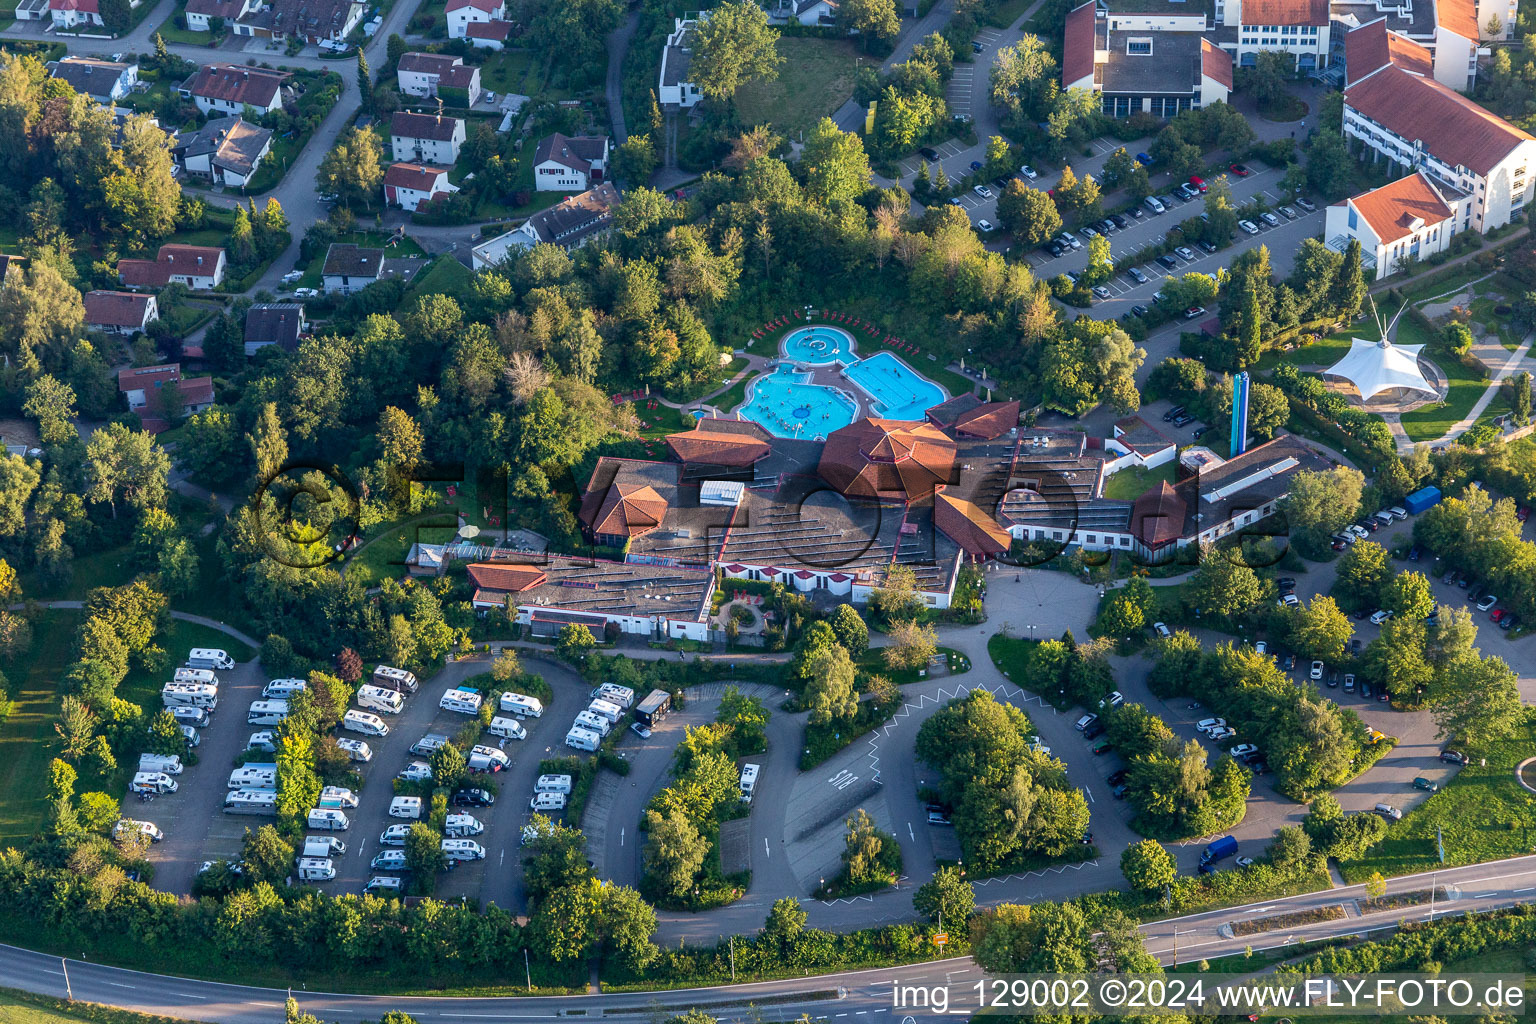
[[1377, 366]]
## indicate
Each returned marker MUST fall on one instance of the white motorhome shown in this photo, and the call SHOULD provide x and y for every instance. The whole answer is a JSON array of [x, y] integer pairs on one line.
[[456, 825], [613, 693], [365, 723], [197, 717], [152, 782], [596, 723], [250, 801], [316, 869], [606, 709], [190, 695], [583, 739], [388, 860], [487, 759], [323, 846], [264, 741], [168, 763], [429, 744], [283, 688], [188, 733], [209, 657], [462, 850], [749, 774], [329, 818], [466, 702], [337, 796], [507, 728], [552, 784], [147, 829], [356, 750], [521, 705], [405, 807], [547, 802], [394, 679], [267, 712], [249, 777], [195, 675], [376, 698], [382, 885]]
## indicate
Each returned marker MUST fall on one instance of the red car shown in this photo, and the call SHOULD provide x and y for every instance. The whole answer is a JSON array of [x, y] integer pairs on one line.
[[1241, 170], [1522, 513], [1198, 183], [1496, 614]]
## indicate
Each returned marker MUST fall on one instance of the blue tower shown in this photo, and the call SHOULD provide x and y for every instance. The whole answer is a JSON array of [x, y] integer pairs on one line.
[[1239, 414]]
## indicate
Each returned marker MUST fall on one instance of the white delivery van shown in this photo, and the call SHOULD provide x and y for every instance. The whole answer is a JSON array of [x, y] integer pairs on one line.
[[316, 869], [487, 759], [405, 807], [582, 739], [552, 784], [329, 819], [547, 802], [209, 657], [456, 825], [168, 763], [250, 801], [365, 723], [388, 860], [613, 693], [337, 796], [382, 885], [282, 689], [376, 698], [749, 781], [465, 702], [195, 675], [190, 695], [462, 850], [507, 728], [196, 717], [264, 741], [394, 679], [356, 750], [248, 777], [606, 709], [152, 782], [267, 712], [323, 846], [595, 723], [522, 706]]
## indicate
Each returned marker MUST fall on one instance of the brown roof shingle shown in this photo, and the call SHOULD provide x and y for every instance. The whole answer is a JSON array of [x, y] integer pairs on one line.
[[1215, 63], [1452, 127], [116, 309], [968, 525], [1078, 43], [716, 442], [423, 126], [1372, 47], [236, 84], [1392, 209], [414, 176], [887, 460], [1285, 12]]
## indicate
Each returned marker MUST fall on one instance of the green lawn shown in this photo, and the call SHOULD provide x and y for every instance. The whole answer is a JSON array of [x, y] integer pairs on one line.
[[143, 688], [1431, 422], [27, 739], [25, 1008], [102, 567], [174, 34], [1482, 312], [1131, 483], [815, 79], [384, 555], [735, 396], [446, 276], [1457, 279], [1483, 814]]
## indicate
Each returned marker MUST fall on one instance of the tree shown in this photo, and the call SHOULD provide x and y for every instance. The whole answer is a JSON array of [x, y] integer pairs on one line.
[[946, 896], [1348, 290], [1101, 262], [786, 920], [1408, 596], [1266, 78], [1375, 886], [353, 170], [869, 19], [1148, 867], [1320, 629], [269, 442], [911, 646], [1127, 609], [1224, 586], [1290, 847], [1028, 213], [1321, 503], [575, 640], [51, 403], [125, 465], [19, 479], [896, 598], [836, 166], [1475, 699], [865, 858], [448, 766], [266, 856], [735, 45], [40, 314], [635, 161], [830, 692], [849, 628], [674, 852], [364, 80], [1362, 573]]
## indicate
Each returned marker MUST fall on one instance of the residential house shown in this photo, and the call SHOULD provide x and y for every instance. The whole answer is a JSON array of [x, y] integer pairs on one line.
[[199, 267], [274, 323], [312, 21], [1138, 64], [75, 14], [1414, 121], [488, 35], [104, 81], [811, 13], [423, 74], [120, 312], [569, 164], [464, 13], [1409, 219], [674, 89], [568, 223], [230, 88], [145, 390], [425, 138], [227, 150], [412, 186], [202, 14], [350, 268]]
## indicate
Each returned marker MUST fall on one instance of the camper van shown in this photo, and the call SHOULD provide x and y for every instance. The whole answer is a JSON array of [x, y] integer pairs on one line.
[[522, 706], [388, 860], [376, 698], [168, 763], [552, 784], [613, 693], [462, 850], [382, 885], [487, 759], [250, 801], [316, 869], [264, 741], [394, 679], [356, 750], [429, 744], [547, 802], [195, 675], [188, 733], [323, 846], [596, 723], [457, 825], [507, 728], [749, 781], [465, 702], [606, 709], [190, 695], [267, 712], [282, 689], [131, 826], [209, 657], [329, 819], [253, 777], [365, 723], [195, 717], [582, 739], [152, 782], [405, 807], [337, 796]]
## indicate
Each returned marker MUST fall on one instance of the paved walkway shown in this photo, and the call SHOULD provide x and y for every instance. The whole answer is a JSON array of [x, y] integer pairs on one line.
[[618, 46]]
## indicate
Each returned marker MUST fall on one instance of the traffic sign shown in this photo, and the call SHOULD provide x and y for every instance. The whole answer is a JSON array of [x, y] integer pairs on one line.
[[941, 938]]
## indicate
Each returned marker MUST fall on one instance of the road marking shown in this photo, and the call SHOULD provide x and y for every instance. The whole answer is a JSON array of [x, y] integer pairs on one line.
[[188, 995], [118, 984], [1484, 895], [767, 852], [910, 834], [1090, 794], [1529, 888], [621, 837], [254, 1003]]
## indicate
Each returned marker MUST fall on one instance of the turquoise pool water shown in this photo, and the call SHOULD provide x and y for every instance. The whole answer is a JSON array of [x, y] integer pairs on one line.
[[898, 391], [786, 406], [819, 346]]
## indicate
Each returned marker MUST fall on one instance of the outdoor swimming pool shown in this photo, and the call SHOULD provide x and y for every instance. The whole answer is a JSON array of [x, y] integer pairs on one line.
[[787, 406], [899, 392], [819, 346]]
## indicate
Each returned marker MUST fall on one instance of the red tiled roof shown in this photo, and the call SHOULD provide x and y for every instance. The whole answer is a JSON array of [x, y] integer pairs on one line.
[[414, 176], [1215, 63], [1392, 209], [1078, 43], [1458, 16], [83, 6], [1286, 12], [196, 390], [116, 309], [989, 421], [969, 526], [235, 83], [497, 29], [1450, 126], [505, 577], [427, 63], [629, 510], [892, 460], [460, 76], [1157, 517], [138, 378], [713, 442], [488, 6], [1372, 47], [143, 273]]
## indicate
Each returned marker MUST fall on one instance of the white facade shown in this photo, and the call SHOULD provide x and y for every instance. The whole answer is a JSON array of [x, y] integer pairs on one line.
[[198, 21], [674, 88], [410, 198], [497, 250], [1423, 239], [417, 150], [72, 16], [461, 13]]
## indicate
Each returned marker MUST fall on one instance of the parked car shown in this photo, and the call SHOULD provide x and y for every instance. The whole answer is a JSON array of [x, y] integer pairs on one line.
[[1270, 219], [1094, 731], [929, 153], [1140, 310], [1317, 670], [1487, 602], [1136, 274], [1168, 261], [982, 190], [1224, 733], [473, 797], [1248, 226], [1378, 617], [1119, 221], [1306, 204], [984, 225], [1241, 170], [1100, 291], [1162, 630], [1055, 248], [1288, 213], [1144, 159], [1207, 724], [1205, 246], [1084, 722], [1428, 785], [1198, 182], [1184, 252], [1029, 172], [975, 165], [1194, 311], [1117, 776], [1454, 757], [1243, 750]]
